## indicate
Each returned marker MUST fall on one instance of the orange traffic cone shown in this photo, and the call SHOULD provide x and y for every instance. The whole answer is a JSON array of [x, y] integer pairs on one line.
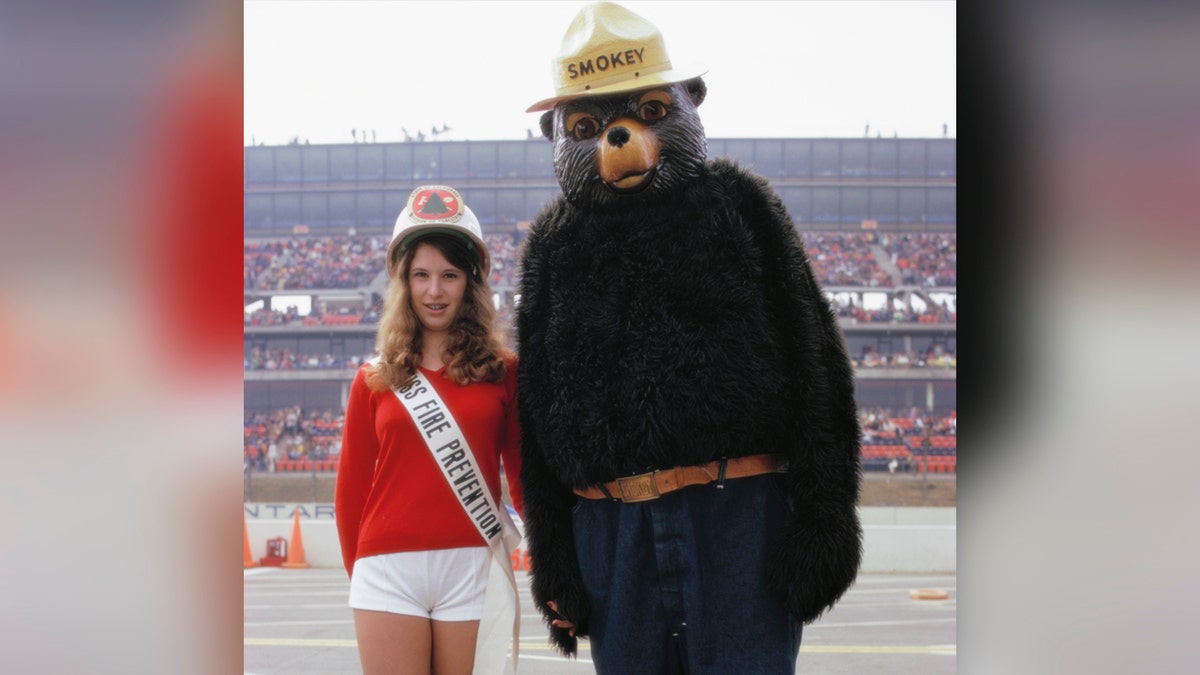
[[295, 558], [249, 559]]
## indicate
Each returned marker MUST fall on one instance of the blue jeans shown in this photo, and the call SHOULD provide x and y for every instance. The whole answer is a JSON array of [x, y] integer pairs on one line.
[[676, 585]]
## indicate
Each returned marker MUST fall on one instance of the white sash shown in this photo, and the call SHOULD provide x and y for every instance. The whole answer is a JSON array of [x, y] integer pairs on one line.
[[453, 456]]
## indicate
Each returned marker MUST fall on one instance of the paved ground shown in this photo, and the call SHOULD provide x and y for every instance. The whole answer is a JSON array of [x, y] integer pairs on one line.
[[297, 622]]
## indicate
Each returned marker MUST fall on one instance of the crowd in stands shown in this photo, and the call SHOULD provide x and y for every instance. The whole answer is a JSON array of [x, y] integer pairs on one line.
[[319, 316], [838, 259], [284, 359], [933, 313], [272, 317], [934, 357], [845, 259], [924, 259], [290, 435], [504, 249], [313, 262], [304, 263], [915, 438], [880, 422]]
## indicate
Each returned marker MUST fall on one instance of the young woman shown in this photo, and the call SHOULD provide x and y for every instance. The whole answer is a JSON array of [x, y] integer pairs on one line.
[[418, 563]]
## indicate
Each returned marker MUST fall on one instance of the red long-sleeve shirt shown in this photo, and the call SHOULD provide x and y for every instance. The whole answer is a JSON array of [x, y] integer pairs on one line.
[[391, 495]]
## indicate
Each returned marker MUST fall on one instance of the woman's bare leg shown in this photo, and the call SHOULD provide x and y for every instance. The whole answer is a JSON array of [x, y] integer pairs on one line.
[[454, 647], [394, 644]]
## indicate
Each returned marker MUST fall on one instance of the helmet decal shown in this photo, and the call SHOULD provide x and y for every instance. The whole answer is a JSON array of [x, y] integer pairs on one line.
[[435, 205]]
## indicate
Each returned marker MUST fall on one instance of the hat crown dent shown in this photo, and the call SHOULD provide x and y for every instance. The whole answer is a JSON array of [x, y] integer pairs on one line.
[[596, 31]]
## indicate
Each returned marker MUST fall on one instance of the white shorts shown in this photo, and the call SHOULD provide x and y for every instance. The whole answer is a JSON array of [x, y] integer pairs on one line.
[[440, 585]]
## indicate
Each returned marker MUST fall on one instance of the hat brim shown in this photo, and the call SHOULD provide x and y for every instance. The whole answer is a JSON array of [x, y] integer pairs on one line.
[[648, 81], [412, 236]]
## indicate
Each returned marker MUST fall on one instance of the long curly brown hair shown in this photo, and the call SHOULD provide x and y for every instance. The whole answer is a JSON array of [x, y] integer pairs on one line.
[[475, 352]]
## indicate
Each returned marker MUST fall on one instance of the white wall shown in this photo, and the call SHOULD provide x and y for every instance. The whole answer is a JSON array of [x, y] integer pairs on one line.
[[909, 539]]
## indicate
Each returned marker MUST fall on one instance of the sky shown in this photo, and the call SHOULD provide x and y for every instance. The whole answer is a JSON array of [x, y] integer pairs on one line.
[[316, 70]]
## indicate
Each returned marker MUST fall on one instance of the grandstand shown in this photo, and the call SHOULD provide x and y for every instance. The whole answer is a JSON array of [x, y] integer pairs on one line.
[[877, 217]]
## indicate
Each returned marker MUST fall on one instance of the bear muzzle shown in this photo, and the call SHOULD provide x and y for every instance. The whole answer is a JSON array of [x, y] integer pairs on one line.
[[628, 156]]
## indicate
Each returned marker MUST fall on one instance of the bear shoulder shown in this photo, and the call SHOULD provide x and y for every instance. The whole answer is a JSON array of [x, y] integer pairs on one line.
[[551, 217], [736, 179]]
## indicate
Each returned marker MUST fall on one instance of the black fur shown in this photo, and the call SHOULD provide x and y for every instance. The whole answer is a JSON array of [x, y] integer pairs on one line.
[[684, 326]]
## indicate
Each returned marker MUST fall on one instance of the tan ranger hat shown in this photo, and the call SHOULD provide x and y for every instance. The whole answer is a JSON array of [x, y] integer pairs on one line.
[[609, 49]]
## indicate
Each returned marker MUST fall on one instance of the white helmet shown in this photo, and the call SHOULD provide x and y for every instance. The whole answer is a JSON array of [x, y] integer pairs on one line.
[[436, 209]]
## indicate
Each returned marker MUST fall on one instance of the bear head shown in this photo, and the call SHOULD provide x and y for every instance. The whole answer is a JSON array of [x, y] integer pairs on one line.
[[630, 147]]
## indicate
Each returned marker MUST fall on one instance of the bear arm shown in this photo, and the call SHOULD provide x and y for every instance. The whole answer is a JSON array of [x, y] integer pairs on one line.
[[554, 572], [820, 550]]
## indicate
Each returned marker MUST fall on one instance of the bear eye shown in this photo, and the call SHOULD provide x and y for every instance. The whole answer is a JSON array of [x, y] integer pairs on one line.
[[584, 127], [652, 110]]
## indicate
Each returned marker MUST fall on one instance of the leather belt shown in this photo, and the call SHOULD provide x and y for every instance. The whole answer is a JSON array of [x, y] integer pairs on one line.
[[647, 486]]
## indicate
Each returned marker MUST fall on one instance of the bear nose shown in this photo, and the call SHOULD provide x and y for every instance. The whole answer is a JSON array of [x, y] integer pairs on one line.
[[618, 136]]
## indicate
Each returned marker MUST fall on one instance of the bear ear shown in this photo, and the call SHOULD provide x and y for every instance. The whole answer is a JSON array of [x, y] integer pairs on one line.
[[547, 124], [697, 90]]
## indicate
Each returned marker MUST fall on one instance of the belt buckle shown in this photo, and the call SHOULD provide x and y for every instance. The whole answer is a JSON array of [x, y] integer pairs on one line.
[[640, 488]]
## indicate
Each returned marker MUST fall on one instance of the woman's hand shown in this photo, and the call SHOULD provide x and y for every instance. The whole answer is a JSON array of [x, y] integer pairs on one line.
[[560, 623]]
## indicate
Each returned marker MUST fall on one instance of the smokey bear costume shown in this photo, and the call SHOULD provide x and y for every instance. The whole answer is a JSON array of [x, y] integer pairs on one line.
[[669, 318]]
